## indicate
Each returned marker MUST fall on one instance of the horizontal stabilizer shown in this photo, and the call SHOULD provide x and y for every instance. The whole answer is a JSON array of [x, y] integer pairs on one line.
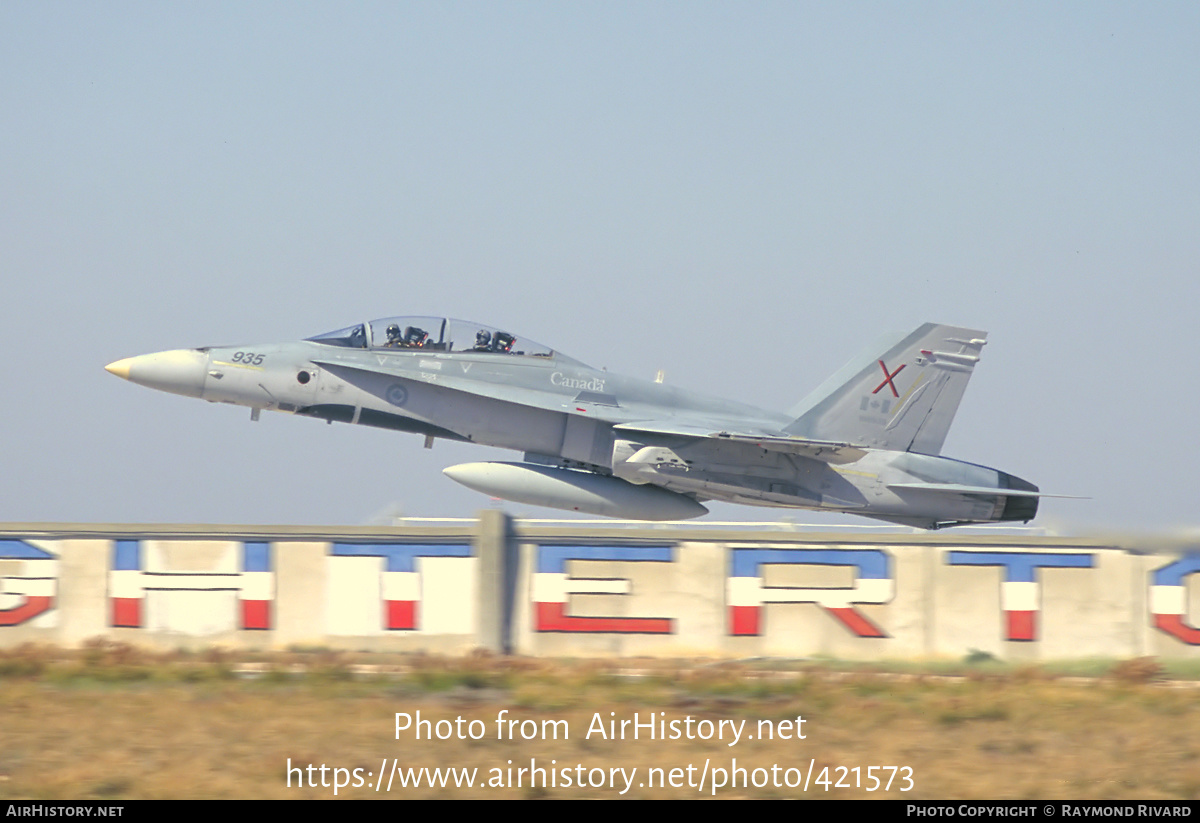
[[955, 488]]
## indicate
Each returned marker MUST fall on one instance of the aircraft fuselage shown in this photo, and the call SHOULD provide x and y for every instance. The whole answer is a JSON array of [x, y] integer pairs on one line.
[[642, 439]]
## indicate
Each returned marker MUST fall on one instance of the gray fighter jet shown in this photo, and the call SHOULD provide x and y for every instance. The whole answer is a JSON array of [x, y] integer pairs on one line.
[[867, 441]]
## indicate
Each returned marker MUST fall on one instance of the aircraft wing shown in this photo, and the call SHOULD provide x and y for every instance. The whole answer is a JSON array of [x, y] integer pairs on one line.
[[824, 450], [716, 429]]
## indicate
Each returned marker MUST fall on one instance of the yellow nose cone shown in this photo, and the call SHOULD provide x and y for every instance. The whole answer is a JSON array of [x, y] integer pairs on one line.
[[120, 368]]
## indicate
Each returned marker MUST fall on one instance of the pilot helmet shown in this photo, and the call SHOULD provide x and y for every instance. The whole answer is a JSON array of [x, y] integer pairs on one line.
[[393, 331], [483, 338]]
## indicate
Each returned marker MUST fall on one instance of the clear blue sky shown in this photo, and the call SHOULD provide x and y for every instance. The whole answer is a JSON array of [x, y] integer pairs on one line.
[[626, 182]]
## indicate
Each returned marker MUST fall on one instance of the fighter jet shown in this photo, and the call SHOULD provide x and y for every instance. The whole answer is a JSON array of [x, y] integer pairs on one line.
[[867, 441]]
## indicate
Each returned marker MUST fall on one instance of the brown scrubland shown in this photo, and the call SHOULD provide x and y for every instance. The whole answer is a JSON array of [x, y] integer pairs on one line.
[[110, 722]]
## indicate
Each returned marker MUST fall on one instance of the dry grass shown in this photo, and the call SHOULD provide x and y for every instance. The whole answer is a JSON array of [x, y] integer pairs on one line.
[[111, 722]]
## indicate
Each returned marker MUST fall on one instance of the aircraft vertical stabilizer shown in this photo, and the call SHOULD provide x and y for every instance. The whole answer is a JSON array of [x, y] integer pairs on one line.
[[900, 395]]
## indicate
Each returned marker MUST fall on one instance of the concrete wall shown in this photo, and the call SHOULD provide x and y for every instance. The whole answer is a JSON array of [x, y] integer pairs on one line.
[[580, 590]]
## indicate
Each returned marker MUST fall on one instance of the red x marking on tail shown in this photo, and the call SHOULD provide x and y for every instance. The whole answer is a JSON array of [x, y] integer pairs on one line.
[[887, 379]]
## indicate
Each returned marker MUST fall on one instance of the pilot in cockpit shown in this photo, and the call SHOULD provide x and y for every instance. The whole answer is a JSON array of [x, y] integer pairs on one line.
[[394, 338], [483, 340], [503, 342], [414, 338]]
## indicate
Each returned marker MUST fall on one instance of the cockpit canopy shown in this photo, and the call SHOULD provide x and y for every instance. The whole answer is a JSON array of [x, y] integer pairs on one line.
[[432, 334]]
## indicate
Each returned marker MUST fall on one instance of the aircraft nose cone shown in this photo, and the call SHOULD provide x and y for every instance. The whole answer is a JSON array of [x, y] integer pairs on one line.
[[120, 368], [179, 371]]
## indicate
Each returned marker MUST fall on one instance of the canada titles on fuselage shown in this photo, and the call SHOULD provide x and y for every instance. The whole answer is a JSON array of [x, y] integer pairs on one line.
[[593, 384]]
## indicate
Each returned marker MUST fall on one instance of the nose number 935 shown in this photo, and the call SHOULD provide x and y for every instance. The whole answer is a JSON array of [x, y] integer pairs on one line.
[[249, 358]]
